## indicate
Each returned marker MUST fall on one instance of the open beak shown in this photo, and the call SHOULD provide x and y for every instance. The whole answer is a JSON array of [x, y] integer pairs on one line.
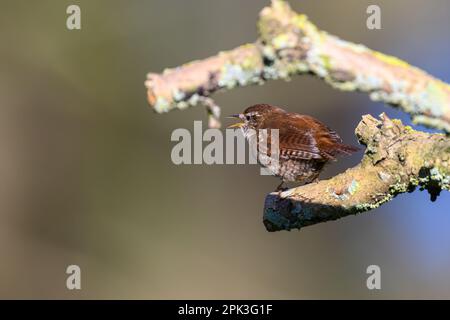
[[236, 125]]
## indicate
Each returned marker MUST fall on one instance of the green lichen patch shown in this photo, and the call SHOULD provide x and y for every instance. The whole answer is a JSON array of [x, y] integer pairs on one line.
[[353, 187], [162, 105], [393, 61]]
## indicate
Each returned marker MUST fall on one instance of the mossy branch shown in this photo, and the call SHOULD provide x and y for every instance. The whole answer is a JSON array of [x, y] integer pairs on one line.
[[290, 44], [397, 159]]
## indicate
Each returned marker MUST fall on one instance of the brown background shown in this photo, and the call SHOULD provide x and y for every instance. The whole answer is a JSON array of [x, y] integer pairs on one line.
[[86, 175]]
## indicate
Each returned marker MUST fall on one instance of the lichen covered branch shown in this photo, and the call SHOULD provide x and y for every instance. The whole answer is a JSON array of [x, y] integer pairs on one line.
[[289, 44], [397, 159], [186, 85]]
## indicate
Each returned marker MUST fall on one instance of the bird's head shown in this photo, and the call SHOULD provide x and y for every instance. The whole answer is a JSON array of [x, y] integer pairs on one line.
[[253, 117]]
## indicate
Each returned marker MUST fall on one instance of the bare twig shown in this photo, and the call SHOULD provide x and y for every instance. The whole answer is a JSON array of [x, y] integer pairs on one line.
[[290, 44], [213, 111]]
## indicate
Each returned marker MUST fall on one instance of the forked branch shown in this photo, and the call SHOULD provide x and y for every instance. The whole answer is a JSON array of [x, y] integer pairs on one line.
[[397, 158]]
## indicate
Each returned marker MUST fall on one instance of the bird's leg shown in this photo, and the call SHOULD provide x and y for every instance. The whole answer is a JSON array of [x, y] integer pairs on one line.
[[315, 180], [280, 187]]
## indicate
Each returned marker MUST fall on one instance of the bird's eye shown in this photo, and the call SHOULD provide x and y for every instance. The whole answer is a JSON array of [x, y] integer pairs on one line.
[[247, 117]]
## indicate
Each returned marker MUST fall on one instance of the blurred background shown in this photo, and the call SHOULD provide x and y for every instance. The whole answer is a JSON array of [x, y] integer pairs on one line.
[[87, 179]]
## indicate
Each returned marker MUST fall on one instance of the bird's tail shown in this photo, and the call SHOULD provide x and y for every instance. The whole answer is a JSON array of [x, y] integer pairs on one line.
[[338, 149], [345, 149]]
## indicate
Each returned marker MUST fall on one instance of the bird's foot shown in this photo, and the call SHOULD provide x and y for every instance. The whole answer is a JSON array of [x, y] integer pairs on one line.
[[280, 188]]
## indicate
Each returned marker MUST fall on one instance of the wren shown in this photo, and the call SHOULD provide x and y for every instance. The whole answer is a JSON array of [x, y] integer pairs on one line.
[[305, 144]]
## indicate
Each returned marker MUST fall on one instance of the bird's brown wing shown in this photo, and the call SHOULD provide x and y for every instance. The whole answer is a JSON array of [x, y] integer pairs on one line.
[[328, 141], [304, 137], [296, 139]]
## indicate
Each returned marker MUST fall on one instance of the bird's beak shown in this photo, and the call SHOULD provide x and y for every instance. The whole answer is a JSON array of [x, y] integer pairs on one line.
[[236, 125]]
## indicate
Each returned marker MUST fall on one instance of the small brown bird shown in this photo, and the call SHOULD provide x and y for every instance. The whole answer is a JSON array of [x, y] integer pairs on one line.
[[305, 143]]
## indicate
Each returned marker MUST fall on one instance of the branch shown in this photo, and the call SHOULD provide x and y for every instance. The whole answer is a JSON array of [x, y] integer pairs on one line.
[[289, 44], [397, 160]]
